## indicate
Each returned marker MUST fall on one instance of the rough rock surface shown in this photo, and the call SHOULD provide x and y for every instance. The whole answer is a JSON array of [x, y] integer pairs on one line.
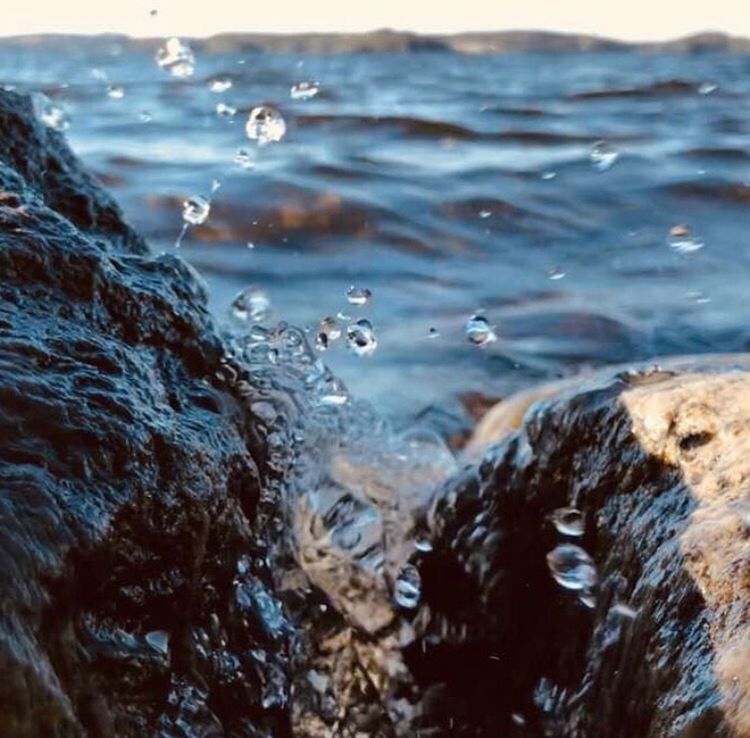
[[658, 461]]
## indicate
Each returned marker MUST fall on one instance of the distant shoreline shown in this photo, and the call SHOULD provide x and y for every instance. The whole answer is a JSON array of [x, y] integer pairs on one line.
[[389, 41]]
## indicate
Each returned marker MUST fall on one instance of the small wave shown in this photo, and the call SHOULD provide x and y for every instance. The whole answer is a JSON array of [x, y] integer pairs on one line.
[[656, 89]]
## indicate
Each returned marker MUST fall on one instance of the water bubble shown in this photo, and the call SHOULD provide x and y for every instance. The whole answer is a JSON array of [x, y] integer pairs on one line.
[[195, 210], [328, 331], [225, 111], [408, 587], [115, 92], [251, 304], [603, 156], [177, 58], [265, 125], [358, 295], [554, 273], [682, 239], [479, 331], [569, 521], [572, 568], [304, 90], [50, 114], [243, 159], [360, 337], [219, 85]]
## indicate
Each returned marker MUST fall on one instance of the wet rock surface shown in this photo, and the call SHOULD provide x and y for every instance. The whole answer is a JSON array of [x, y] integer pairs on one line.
[[656, 462]]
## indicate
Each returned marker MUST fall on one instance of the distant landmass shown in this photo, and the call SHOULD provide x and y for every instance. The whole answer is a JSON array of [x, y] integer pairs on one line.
[[389, 41]]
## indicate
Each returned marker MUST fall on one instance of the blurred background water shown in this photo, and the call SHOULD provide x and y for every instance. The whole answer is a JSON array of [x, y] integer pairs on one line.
[[539, 190]]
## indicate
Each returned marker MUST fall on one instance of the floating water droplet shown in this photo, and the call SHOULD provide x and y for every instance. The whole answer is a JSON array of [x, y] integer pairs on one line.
[[554, 273], [408, 587], [177, 58], [250, 245], [603, 156], [624, 611], [215, 185], [571, 567], [328, 332], [682, 239], [479, 331], [243, 159], [225, 111], [115, 92], [219, 85], [195, 210], [360, 337], [265, 125], [569, 521], [423, 543], [484, 214], [547, 176], [304, 90], [358, 295], [706, 88], [252, 304], [51, 115]]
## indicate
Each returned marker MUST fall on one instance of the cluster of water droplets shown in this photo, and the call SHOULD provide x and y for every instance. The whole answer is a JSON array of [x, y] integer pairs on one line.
[[53, 116], [177, 58]]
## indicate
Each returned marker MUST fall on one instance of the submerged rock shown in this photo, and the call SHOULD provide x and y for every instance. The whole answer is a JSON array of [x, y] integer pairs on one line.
[[658, 462]]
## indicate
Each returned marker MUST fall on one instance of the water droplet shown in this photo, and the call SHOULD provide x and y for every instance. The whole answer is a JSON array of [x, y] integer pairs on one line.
[[115, 92], [360, 337], [433, 333], [571, 567], [145, 117], [569, 521], [358, 295], [265, 125], [603, 156], [479, 331], [252, 304], [547, 176], [250, 245], [195, 210], [706, 88], [243, 159], [408, 587], [219, 85], [682, 239], [554, 273], [51, 115], [177, 58], [225, 111], [158, 640], [484, 214], [328, 332], [624, 611], [304, 90]]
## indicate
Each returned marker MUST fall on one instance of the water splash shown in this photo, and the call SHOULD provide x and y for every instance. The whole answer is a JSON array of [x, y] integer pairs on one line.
[[265, 125]]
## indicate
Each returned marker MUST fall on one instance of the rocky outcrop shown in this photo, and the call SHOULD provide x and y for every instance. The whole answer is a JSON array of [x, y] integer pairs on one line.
[[649, 635]]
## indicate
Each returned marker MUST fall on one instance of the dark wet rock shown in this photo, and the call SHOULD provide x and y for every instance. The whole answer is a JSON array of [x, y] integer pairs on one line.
[[657, 461]]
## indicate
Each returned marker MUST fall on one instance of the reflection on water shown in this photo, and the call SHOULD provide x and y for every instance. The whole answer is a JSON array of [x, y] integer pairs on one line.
[[559, 198]]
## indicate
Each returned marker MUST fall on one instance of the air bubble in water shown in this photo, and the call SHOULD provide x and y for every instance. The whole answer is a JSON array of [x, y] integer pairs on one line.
[[195, 210], [252, 304], [603, 156], [479, 331], [360, 337], [408, 587], [219, 85], [243, 159], [51, 115], [265, 125], [115, 92], [177, 58], [225, 111], [569, 521], [682, 239], [572, 568], [358, 295], [304, 90]]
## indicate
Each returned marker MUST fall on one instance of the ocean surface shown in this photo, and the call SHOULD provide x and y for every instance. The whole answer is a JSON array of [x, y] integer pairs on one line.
[[538, 191]]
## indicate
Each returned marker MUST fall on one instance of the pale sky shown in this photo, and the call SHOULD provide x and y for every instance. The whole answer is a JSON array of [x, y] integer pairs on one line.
[[633, 20]]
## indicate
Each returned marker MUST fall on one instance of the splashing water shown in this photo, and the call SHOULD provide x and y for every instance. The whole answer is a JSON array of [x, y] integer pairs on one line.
[[360, 337], [51, 115], [225, 111], [220, 85], [195, 210], [328, 332], [265, 125], [603, 156], [243, 159], [408, 587], [251, 304], [115, 92], [358, 295], [304, 90], [572, 568], [682, 240], [177, 58]]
